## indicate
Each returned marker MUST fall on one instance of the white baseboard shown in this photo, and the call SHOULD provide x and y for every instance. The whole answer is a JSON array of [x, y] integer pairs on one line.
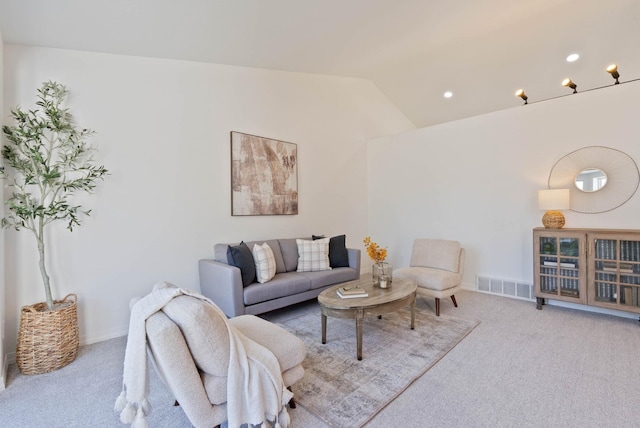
[[101, 337], [3, 372], [10, 358], [596, 309], [487, 284]]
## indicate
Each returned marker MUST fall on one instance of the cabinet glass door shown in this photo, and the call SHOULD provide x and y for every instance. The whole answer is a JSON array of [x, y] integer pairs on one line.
[[629, 268], [606, 269], [559, 266], [617, 272]]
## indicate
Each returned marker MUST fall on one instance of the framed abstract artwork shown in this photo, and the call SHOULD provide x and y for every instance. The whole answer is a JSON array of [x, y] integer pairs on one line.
[[264, 176]]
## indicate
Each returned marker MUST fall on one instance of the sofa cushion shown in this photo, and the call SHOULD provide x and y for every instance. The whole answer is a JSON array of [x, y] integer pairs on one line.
[[282, 285], [277, 254], [313, 255], [330, 277], [220, 252], [265, 262], [338, 254], [289, 250], [240, 256], [205, 332], [436, 253]]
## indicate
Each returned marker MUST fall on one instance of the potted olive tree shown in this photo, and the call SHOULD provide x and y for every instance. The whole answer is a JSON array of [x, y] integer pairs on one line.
[[46, 162]]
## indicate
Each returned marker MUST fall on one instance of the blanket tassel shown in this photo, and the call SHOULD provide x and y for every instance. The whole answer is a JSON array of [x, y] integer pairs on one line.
[[145, 406], [140, 421], [121, 402], [128, 414], [283, 419]]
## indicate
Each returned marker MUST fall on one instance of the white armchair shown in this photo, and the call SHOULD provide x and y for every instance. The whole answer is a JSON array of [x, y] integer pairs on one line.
[[188, 344], [436, 267]]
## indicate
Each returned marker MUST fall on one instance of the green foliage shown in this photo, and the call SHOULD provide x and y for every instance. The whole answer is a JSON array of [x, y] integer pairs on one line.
[[47, 161]]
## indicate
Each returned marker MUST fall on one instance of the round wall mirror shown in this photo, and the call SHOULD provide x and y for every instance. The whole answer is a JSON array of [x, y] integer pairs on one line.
[[606, 177], [591, 180]]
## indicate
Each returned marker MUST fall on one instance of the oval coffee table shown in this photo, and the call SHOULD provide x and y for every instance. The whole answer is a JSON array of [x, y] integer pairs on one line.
[[380, 301]]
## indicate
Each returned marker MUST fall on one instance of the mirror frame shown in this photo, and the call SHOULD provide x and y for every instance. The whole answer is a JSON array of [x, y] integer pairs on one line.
[[621, 170]]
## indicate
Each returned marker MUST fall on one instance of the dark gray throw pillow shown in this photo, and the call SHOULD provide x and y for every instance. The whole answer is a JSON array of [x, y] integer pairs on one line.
[[338, 254], [240, 256]]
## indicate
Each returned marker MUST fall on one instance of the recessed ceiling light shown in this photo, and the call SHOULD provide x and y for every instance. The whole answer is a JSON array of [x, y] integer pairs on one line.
[[448, 94], [573, 57]]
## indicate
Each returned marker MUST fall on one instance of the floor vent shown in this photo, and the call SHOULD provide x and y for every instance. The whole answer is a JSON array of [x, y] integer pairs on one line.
[[505, 287]]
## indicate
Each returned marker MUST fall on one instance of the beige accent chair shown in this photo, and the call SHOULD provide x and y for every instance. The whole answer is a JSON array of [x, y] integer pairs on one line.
[[436, 267], [188, 344]]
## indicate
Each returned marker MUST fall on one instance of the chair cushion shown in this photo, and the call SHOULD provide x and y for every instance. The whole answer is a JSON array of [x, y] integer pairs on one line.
[[288, 349], [215, 387], [433, 279], [204, 331], [436, 253]]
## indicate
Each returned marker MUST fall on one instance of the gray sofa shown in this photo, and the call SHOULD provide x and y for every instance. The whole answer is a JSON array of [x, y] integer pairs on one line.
[[222, 282]]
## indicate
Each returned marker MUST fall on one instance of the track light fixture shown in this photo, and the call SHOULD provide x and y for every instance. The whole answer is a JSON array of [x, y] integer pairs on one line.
[[568, 83], [520, 93], [613, 69]]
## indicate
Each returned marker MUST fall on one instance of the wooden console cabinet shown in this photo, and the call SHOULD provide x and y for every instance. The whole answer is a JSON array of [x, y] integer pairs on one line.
[[597, 267]]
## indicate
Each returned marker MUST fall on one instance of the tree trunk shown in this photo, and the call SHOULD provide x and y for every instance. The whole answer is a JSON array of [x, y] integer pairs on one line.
[[43, 268]]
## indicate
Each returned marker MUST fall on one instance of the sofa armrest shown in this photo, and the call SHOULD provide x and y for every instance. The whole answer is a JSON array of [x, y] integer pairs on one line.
[[354, 260], [222, 283]]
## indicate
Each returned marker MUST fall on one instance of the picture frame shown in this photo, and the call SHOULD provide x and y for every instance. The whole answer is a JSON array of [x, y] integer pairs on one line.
[[264, 176]]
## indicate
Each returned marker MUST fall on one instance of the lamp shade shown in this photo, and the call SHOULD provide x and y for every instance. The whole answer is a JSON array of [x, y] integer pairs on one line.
[[554, 199]]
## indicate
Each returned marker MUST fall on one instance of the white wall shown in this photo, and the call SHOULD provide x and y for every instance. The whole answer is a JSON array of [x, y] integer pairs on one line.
[[476, 180], [163, 131]]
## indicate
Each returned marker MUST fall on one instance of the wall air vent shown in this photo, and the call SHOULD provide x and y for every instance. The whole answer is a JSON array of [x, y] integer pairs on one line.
[[505, 287]]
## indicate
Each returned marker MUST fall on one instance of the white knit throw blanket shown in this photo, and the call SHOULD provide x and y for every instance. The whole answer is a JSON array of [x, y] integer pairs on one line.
[[255, 390]]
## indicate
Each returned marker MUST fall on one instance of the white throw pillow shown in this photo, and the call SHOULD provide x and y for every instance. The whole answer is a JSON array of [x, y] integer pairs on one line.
[[265, 262], [313, 255]]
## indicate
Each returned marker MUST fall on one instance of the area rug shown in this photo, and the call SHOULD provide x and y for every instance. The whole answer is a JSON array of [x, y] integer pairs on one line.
[[345, 392]]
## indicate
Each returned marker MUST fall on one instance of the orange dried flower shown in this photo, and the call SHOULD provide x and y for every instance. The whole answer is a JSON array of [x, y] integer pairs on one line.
[[376, 253]]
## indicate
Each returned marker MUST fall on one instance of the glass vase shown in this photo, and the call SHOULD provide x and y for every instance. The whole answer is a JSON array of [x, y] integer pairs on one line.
[[382, 274]]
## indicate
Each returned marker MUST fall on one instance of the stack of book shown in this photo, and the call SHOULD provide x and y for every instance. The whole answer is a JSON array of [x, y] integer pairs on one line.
[[354, 292]]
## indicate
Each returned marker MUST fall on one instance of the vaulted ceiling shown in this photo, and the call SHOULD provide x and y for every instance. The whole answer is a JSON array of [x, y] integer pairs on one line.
[[413, 50]]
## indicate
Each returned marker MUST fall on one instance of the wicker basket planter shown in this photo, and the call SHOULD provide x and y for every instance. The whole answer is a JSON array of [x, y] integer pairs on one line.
[[47, 340]]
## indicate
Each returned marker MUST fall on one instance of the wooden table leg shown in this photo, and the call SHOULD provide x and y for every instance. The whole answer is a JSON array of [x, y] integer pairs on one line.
[[359, 318], [324, 329]]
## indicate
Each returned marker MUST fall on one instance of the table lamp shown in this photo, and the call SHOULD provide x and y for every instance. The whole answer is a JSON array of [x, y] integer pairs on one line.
[[553, 200]]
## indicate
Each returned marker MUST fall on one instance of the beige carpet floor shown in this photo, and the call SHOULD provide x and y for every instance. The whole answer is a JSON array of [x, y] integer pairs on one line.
[[519, 367]]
